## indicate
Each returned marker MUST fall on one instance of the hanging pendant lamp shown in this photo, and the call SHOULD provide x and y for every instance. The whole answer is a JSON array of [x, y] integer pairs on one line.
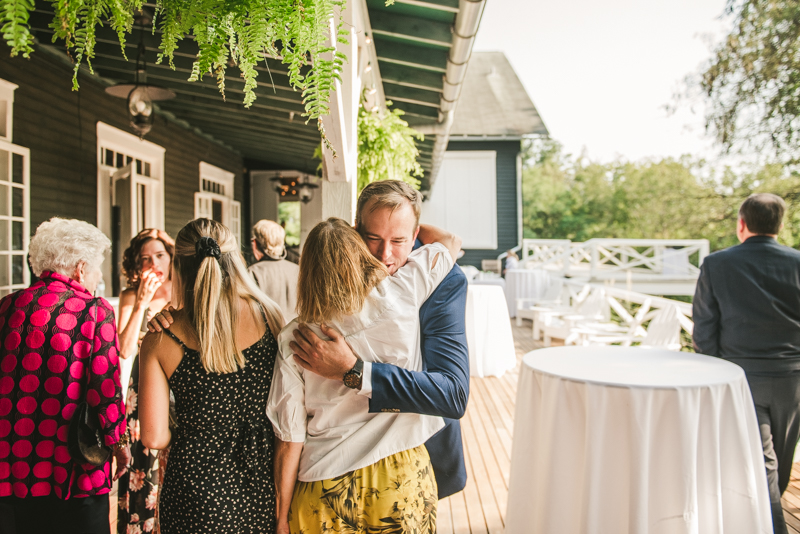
[[140, 95]]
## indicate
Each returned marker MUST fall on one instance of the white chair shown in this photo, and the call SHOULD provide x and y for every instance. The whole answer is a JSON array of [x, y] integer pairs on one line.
[[632, 324], [664, 331], [559, 325], [551, 297]]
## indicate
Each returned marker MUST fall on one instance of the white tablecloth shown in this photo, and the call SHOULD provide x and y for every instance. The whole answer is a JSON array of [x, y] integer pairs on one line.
[[499, 282], [524, 283], [489, 338], [629, 440]]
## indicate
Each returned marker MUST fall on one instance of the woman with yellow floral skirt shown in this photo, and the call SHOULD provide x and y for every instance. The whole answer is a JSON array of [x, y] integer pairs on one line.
[[337, 466]]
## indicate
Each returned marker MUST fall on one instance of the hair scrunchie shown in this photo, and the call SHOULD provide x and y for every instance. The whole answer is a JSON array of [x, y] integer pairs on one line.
[[207, 247]]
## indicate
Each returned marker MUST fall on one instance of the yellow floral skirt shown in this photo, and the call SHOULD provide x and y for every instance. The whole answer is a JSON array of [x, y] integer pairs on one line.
[[396, 495]]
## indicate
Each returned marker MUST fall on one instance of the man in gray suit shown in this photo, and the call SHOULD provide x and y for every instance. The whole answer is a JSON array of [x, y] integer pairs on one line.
[[747, 310]]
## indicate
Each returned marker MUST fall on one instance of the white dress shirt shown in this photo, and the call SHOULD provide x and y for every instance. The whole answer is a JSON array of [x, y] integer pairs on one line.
[[333, 420]]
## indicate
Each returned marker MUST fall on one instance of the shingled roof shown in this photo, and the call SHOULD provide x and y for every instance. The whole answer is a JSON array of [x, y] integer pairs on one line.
[[493, 102]]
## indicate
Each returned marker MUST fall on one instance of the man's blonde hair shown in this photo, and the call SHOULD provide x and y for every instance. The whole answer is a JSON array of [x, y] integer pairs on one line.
[[270, 237], [390, 194], [337, 272], [209, 289]]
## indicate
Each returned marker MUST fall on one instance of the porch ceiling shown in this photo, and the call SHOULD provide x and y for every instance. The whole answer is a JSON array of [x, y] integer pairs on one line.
[[412, 40], [272, 130]]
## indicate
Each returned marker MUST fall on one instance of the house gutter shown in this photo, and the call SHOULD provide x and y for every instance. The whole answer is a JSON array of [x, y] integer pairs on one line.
[[465, 29]]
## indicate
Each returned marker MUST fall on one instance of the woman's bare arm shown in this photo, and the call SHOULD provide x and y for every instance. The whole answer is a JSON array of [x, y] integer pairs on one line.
[[432, 234], [154, 390], [287, 462], [130, 315]]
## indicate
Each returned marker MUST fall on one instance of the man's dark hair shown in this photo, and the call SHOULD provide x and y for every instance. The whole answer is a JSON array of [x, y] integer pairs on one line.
[[762, 213]]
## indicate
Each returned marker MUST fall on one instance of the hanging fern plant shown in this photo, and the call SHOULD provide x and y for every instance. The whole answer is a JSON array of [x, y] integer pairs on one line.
[[387, 149], [241, 32]]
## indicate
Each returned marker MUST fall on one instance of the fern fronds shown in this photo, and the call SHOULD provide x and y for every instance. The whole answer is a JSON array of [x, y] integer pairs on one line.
[[17, 34]]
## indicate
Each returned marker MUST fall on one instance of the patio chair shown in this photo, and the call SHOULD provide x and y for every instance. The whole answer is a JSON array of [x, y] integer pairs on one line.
[[566, 303], [559, 325], [632, 324], [551, 297], [664, 332]]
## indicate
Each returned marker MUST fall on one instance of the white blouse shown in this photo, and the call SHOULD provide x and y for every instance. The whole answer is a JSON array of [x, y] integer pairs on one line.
[[333, 420]]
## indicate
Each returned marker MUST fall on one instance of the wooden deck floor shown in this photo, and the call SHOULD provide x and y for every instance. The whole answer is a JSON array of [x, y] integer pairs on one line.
[[487, 431]]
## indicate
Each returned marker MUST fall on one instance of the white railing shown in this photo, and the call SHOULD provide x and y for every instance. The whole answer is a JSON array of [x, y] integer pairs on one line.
[[551, 252], [574, 316], [602, 259]]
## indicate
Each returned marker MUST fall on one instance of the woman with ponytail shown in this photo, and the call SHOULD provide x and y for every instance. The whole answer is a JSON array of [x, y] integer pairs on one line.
[[218, 358]]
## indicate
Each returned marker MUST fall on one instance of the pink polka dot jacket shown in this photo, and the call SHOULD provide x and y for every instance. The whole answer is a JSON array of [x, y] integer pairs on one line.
[[49, 334]]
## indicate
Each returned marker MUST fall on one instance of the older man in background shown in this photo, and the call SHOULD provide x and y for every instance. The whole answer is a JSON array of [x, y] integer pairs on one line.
[[275, 276], [747, 310]]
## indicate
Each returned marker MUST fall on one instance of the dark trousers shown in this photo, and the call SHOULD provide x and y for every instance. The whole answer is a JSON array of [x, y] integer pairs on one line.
[[777, 400], [43, 515]]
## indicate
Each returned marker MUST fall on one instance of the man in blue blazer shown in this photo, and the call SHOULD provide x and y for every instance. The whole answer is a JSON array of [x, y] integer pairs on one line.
[[387, 218]]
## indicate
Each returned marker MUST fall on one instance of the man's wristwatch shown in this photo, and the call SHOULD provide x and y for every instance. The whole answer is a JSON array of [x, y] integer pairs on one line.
[[353, 377]]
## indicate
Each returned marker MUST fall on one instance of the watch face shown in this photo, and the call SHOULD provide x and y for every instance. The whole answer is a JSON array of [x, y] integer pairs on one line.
[[351, 379]]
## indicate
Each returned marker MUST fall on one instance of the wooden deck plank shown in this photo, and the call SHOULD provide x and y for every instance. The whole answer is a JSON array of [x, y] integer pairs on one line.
[[495, 459], [444, 519], [487, 430], [483, 483], [474, 512]]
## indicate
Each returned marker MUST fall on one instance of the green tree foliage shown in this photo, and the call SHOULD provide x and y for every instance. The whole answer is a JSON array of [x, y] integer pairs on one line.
[[289, 216], [666, 199], [752, 84], [387, 149], [238, 33]]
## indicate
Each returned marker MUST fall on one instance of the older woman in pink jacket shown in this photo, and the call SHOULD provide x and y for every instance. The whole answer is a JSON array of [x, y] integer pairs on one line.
[[60, 349]]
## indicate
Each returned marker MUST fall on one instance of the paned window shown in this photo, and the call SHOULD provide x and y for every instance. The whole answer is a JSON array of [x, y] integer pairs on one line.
[[14, 200], [215, 199]]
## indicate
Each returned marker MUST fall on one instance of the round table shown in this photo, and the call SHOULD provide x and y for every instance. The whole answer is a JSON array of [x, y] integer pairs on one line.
[[631, 440], [489, 337]]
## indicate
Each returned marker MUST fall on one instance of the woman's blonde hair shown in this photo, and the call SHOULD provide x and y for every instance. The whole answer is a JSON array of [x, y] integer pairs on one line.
[[208, 289], [270, 237], [337, 272]]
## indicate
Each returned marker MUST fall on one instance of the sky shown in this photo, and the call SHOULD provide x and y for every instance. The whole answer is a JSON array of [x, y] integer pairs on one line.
[[600, 72]]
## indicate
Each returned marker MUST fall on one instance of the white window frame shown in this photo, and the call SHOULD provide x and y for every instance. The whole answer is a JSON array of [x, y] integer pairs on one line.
[[128, 144], [7, 96], [203, 199], [455, 194]]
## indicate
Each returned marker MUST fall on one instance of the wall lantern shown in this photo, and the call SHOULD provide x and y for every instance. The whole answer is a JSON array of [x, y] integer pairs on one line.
[[294, 186], [141, 95]]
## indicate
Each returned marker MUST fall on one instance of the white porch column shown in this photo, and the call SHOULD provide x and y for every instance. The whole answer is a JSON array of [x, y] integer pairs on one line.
[[338, 193]]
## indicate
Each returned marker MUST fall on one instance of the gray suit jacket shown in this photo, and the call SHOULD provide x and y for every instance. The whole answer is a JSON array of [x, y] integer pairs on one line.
[[278, 280]]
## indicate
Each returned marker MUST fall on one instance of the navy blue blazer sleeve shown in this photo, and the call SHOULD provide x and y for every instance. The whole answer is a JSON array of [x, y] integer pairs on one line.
[[706, 315], [443, 387]]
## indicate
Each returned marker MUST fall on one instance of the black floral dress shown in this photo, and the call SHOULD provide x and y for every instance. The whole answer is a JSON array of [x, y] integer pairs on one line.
[[219, 475], [138, 488]]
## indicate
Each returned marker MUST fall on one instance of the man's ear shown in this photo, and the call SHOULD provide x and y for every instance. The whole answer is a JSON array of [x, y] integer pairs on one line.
[[416, 233]]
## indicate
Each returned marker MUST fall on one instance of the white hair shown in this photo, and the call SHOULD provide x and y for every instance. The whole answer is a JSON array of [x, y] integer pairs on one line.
[[59, 245]]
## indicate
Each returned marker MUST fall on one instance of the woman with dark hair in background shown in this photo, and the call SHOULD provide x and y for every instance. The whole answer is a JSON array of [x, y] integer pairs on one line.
[[147, 264], [217, 358], [60, 352]]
